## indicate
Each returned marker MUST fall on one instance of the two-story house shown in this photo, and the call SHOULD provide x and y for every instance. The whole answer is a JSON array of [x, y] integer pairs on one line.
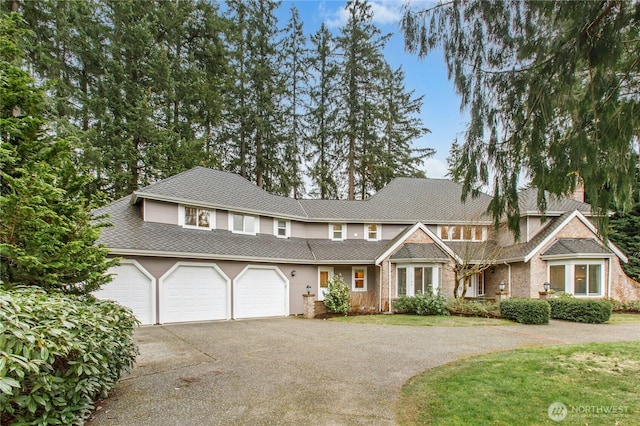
[[210, 245]]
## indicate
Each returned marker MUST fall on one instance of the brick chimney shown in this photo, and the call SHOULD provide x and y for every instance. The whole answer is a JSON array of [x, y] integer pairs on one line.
[[578, 193]]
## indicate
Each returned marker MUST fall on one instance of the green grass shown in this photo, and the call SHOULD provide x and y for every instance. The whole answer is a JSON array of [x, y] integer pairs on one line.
[[517, 387], [624, 319], [423, 321]]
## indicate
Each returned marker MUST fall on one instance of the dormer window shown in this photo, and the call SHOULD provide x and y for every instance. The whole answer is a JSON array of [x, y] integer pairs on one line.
[[194, 217], [337, 231], [372, 232], [282, 228], [243, 224]]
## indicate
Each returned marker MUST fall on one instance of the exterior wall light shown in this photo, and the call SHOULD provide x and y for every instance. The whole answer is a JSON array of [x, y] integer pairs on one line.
[[501, 286], [308, 289], [293, 273], [547, 286]]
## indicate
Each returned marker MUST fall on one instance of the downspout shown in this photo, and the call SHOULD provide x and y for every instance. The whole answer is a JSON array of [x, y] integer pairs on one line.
[[609, 280], [389, 285], [380, 291]]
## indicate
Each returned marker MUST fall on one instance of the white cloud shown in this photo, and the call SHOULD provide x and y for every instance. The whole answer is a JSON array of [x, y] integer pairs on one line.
[[436, 168], [384, 12]]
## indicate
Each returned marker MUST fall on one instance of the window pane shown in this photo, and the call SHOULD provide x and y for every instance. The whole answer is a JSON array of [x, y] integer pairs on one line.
[[324, 278], [250, 224], [358, 278], [190, 216], [444, 232], [417, 281], [467, 233], [337, 231], [477, 233], [282, 228], [203, 218], [556, 277], [456, 233], [402, 281], [581, 279], [594, 280], [428, 280], [238, 222], [373, 232], [480, 283]]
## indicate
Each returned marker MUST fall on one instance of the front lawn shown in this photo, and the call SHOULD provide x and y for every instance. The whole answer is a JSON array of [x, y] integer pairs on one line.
[[624, 319], [423, 321], [597, 383]]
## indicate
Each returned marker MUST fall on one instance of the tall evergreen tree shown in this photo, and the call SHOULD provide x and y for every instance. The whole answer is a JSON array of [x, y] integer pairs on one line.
[[552, 92], [324, 156], [47, 236]]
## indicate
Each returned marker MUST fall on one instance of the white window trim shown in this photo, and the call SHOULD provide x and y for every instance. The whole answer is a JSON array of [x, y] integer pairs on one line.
[[181, 218], [321, 269], [378, 231], [435, 276], [353, 278], [344, 232], [287, 228], [256, 222], [569, 275]]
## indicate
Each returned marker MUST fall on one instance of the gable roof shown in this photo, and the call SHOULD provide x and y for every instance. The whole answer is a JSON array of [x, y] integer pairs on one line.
[[427, 252], [403, 236]]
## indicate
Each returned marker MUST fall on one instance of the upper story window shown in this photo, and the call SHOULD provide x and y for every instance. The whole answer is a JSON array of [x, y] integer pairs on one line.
[[281, 228], [194, 217], [337, 231], [372, 232], [463, 233], [243, 224]]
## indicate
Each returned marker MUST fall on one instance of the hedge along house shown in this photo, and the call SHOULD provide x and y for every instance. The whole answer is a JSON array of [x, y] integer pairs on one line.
[[210, 245]]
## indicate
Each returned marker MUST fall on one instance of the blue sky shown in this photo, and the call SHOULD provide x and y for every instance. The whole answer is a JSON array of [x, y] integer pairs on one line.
[[441, 108]]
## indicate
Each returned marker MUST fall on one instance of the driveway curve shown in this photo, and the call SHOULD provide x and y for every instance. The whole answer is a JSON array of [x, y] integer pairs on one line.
[[291, 371]]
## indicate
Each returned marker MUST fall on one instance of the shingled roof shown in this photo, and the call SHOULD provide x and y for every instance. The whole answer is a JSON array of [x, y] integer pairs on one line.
[[403, 200], [528, 203], [576, 246], [425, 252]]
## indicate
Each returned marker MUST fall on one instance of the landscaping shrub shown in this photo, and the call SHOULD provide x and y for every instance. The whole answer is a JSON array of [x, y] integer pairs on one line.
[[336, 297], [525, 311], [473, 308], [58, 353], [580, 310], [423, 304], [631, 306]]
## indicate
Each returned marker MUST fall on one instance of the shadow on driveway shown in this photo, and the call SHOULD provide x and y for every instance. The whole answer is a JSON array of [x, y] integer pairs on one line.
[[295, 371]]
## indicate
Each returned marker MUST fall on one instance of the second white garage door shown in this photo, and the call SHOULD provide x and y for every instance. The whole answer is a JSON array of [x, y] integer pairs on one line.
[[261, 291], [194, 292]]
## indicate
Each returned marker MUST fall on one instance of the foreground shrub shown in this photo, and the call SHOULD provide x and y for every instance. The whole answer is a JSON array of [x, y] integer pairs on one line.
[[58, 353], [423, 304], [473, 308], [631, 306], [525, 311], [336, 296], [581, 310]]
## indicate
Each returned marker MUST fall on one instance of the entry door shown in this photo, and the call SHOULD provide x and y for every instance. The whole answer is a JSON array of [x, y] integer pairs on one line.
[[324, 275]]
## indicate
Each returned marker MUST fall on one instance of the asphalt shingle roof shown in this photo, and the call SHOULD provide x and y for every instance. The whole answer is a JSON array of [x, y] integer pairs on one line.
[[421, 251], [569, 246], [528, 203]]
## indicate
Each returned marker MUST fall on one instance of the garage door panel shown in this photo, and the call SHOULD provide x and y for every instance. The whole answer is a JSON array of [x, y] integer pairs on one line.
[[261, 292], [134, 288], [194, 293]]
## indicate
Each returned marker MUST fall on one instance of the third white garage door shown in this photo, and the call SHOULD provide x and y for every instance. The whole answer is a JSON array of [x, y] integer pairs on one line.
[[261, 291], [194, 292]]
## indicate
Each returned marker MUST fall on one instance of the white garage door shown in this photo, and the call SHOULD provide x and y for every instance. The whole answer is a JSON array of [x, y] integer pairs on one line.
[[261, 291], [133, 287], [194, 292]]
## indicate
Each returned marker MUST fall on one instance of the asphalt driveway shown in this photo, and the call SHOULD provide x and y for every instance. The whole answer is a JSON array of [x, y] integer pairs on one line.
[[294, 371]]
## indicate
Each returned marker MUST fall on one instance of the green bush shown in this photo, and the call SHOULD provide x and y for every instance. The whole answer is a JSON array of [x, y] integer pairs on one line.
[[58, 353], [581, 310], [336, 296], [423, 304], [474, 308], [632, 306], [525, 311]]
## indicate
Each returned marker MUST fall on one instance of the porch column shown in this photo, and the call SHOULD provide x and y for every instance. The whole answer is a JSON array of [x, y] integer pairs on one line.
[[309, 305]]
